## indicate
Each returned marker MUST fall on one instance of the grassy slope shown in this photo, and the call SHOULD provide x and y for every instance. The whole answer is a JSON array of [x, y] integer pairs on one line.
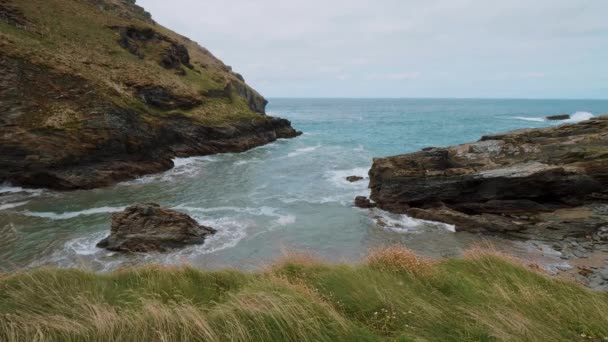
[[393, 296], [75, 37]]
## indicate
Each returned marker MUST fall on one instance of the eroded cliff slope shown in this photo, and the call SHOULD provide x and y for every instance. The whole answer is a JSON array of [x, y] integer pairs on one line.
[[94, 91]]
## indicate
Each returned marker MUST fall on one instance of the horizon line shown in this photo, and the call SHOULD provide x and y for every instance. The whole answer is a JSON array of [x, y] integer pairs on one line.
[[434, 98]]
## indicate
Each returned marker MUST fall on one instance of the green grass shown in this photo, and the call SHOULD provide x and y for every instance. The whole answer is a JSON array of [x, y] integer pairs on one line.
[[74, 37], [392, 296]]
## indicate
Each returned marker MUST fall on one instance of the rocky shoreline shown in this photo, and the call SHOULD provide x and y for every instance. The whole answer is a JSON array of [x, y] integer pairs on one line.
[[80, 111], [548, 184]]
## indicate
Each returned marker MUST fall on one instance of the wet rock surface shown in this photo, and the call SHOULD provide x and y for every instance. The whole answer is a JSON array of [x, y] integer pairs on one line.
[[354, 179], [558, 117], [150, 228], [523, 176], [364, 202], [60, 131], [546, 184]]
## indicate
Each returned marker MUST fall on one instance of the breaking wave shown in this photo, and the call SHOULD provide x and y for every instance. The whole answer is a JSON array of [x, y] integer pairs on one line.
[[72, 214]]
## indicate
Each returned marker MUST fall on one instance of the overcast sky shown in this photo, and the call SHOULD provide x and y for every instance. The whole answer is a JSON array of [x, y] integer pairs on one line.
[[403, 48]]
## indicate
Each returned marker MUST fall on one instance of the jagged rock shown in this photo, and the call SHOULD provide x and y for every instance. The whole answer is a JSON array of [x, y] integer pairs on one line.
[[148, 228], [12, 15], [135, 39], [558, 117], [163, 98], [364, 203], [353, 179], [94, 116], [520, 177]]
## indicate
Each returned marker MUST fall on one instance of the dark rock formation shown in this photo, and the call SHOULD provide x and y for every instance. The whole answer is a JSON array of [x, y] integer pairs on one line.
[[92, 142], [256, 102], [353, 179], [148, 228], [76, 112], [160, 97], [136, 40], [558, 117], [12, 15], [124, 8], [364, 202], [504, 182]]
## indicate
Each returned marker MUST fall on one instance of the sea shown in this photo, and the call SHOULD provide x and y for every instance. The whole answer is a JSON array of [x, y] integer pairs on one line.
[[290, 196]]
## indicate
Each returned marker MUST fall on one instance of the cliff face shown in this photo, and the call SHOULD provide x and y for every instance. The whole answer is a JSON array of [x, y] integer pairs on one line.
[[537, 178], [93, 92]]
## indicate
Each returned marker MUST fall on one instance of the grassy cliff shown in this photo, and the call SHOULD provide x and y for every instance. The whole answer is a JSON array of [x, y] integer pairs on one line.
[[392, 296], [94, 92]]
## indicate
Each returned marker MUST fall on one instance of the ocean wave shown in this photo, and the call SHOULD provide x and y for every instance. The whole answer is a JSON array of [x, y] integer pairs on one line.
[[246, 161], [86, 245], [576, 117], [72, 214], [230, 232], [530, 119], [286, 220], [405, 224], [182, 167], [9, 189], [579, 116], [303, 150], [6, 206]]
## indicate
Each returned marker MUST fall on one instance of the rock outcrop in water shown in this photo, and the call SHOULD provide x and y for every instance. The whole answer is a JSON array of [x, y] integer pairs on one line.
[[94, 92], [549, 179], [150, 228], [559, 117]]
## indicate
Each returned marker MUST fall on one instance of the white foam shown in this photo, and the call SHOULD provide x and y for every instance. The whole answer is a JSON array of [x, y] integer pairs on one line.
[[531, 119], [286, 220], [182, 167], [9, 189], [246, 161], [12, 205], [579, 116], [86, 245], [338, 177], [260, 211], [72, 214], [303, 150], [405, 224], [229, 233], [576, 117]]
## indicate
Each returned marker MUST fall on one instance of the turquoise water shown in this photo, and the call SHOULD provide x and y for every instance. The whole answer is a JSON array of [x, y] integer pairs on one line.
[[287, 196]]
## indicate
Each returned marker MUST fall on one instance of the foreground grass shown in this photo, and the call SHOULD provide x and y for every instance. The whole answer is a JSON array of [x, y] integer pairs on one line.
[[393, 296]]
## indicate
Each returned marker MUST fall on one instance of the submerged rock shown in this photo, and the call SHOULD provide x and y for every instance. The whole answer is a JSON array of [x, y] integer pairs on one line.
[[148, 228], [504, 182], [353, 179]]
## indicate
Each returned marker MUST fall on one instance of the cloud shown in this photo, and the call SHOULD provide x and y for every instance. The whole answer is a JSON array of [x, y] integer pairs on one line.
[[399, 76], [302, 48]]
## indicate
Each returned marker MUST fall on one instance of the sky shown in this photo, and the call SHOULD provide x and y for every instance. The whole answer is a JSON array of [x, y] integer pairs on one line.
[[403, 48]]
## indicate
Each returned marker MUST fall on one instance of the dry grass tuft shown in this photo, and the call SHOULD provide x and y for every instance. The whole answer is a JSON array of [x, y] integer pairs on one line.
[[398, 258], [487, 250], [291, 257]]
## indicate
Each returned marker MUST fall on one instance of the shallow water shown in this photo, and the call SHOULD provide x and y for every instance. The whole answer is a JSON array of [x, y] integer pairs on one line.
[[289, 195]]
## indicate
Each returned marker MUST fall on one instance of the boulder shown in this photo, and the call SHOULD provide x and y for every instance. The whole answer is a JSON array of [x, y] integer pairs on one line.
[[503, 182], [559, 117], [364, 202], [353, 179], [150, 228]]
